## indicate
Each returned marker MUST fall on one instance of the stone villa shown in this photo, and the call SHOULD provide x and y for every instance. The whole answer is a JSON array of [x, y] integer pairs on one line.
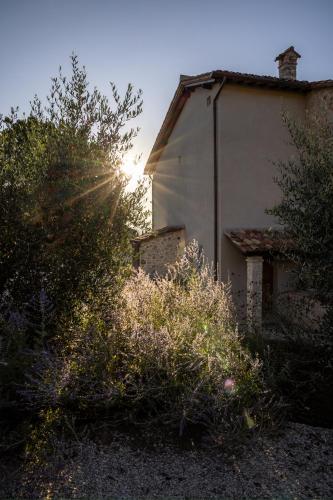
[[212, 169]]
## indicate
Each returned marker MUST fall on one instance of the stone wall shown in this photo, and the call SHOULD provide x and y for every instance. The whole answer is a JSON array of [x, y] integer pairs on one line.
[[319, 100], [157, 250]]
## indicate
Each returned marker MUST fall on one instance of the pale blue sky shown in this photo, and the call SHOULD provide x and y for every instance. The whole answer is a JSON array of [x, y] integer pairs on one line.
[[149, 43]]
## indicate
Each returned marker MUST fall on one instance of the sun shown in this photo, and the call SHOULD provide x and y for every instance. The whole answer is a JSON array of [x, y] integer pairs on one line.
[[133, 168]]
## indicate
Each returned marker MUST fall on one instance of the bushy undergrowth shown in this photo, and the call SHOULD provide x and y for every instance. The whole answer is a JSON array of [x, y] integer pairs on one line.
[[168, 353], [297, 366]]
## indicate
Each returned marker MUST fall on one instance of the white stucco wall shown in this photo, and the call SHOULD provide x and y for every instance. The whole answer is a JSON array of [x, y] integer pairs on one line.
[[251, 137], [182, 189]]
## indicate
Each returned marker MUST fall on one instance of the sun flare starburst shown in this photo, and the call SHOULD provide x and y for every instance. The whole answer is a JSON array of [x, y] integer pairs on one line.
[[133, 169]]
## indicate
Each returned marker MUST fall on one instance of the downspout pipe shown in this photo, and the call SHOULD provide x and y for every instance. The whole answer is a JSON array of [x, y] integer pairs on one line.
[[216, 180]]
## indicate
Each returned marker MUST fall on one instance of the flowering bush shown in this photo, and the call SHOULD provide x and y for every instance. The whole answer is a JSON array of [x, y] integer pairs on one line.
[[168, 353], [66, 217]]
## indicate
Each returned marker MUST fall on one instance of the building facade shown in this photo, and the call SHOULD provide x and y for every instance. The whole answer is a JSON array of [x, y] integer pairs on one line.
[[213, 166]]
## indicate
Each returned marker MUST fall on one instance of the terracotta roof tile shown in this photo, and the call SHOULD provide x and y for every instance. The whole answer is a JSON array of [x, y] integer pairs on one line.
[[258, 241]]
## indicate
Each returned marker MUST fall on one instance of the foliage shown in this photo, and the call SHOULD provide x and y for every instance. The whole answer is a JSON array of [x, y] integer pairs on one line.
[[306, 209], [24, 335], [65, 217], [297, 367], [170, 354]]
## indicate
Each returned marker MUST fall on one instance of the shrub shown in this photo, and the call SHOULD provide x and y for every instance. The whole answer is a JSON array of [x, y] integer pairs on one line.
[[297, 367], [65, 215], [169, 353], [66, 218], [20, 331]]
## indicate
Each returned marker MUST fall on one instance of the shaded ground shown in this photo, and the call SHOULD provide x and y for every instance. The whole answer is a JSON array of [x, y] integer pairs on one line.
[[296, 465]]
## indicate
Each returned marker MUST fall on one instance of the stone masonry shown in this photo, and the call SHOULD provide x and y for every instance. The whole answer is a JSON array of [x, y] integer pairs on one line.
[[321, 101], [288, 63], [159, 249], [254, 265]]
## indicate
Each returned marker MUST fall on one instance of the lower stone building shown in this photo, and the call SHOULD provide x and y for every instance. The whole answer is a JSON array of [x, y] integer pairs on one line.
[[156, 250], [268, 274]]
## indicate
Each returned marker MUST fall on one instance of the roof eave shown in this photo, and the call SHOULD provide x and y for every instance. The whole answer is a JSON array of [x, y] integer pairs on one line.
[[155, 234], [178, 102], [189, 83]]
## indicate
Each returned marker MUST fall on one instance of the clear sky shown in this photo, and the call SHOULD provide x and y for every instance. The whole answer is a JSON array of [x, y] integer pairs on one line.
[[150, 42]]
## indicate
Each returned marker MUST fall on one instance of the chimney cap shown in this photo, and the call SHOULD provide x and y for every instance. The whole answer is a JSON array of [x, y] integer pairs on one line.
[[287, 51]]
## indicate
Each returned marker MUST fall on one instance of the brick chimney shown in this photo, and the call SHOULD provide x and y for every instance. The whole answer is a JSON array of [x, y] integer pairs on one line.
[[288, 63]]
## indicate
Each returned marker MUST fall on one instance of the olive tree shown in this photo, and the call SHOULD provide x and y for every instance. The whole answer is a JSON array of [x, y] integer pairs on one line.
[[66, 218], [306, 208]]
